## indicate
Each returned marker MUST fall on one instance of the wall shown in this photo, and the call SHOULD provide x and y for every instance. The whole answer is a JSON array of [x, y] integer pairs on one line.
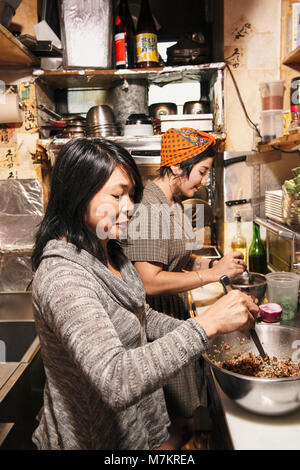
[[252, 48], [252, 42]]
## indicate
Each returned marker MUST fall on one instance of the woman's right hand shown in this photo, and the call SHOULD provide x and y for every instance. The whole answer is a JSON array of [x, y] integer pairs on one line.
[[234, 311], [230, 265]]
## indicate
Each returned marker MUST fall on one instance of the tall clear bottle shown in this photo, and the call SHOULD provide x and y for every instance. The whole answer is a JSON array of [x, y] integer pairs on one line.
[[257, 253], [146, 38], [124, 38], [239, 242]]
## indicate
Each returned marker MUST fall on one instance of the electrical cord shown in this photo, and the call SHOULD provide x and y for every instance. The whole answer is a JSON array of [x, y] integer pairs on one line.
[[252, 124]]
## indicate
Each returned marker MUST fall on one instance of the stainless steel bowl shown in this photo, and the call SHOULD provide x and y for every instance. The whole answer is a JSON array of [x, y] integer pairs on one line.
[[101, 114], [257, 287], [263, 396]]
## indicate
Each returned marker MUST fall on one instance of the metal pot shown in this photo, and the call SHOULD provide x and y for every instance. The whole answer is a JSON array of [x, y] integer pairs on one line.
[[187, 51], [162, 109], [264, 396], [196, 107], [257, 287], [138, 125]]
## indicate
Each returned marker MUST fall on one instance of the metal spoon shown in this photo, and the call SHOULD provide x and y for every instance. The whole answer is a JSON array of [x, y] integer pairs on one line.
[[225, 281]]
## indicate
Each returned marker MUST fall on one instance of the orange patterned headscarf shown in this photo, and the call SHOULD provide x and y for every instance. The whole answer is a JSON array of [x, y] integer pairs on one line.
[[178, 145]]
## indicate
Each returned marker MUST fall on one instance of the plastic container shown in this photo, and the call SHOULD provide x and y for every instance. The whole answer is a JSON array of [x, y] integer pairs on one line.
[[271, 124], [283, 290], [272, 94]]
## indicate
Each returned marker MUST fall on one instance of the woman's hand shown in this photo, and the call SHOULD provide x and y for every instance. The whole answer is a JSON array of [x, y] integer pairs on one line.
[[231, 265], [234, 311]]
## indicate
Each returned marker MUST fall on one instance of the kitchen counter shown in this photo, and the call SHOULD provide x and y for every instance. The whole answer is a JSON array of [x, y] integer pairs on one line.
[[234, 427]]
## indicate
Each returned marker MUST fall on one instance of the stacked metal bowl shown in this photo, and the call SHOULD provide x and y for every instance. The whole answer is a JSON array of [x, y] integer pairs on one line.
[[100, 122]]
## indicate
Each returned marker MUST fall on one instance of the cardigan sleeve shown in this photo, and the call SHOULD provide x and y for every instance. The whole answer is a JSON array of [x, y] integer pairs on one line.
[[158, 324], [122, 376]]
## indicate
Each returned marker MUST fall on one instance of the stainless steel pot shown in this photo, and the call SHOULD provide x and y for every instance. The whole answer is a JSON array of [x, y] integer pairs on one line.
[[196, 107], [162, 109], [263, 396]]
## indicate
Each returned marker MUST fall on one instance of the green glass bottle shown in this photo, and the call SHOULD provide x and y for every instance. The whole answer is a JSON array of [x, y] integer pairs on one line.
[[257, 253]]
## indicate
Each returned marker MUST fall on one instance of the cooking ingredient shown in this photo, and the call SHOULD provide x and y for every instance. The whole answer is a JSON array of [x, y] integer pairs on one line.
[[272, 102], [283, 290], [270, 312], [124, 38], [239, 242], [146, 38], [296, 171], [255, 366], [257, 253], [288, 307]]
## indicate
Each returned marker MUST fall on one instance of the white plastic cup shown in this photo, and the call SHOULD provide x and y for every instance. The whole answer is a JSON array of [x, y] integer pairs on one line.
[[283, 290], [271, 124], [272, 94]]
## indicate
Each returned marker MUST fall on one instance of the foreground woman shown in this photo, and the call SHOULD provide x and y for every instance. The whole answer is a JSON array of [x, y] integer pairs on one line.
[[167, 267], [106, 353]]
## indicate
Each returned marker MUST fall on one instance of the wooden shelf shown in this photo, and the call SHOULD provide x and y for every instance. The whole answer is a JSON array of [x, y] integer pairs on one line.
[[85, 78], [13, 52], [293, 59], [287, 142]]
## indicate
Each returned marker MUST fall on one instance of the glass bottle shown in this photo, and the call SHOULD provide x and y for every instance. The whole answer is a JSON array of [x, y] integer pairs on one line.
[[257, 253], [239, 242], [146, 38], [124, 38]]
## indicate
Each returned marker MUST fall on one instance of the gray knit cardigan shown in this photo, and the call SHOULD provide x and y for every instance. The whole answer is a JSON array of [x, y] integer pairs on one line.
[[106, 354]]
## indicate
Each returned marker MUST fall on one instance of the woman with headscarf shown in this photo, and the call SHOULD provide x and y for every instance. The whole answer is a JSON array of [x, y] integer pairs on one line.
[[167, 268]]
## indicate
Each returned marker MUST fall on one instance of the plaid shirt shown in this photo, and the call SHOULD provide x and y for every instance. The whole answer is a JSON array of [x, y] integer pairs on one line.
[[162, 241], [182, 392]]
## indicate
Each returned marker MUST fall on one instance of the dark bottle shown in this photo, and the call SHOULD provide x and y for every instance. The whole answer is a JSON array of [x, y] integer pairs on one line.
[[257, 253], [124, 38], [146, 38]]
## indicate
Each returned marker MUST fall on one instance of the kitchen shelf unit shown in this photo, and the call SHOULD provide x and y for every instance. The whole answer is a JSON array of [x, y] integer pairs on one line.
[[288, 142], [102, 78], [13, 52], [293, 59]]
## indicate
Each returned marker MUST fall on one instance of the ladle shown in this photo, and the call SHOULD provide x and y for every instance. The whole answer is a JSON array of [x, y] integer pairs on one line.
[[225, 281]]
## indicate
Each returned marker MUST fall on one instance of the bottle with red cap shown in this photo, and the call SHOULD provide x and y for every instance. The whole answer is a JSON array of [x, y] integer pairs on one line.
[[124, 38]]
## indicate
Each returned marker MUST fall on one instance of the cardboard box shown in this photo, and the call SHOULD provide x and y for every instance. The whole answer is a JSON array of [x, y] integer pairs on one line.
[[295, 26], [202, 122]]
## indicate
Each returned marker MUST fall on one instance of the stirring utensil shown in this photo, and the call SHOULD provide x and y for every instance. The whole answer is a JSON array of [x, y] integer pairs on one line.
[[225, 281]]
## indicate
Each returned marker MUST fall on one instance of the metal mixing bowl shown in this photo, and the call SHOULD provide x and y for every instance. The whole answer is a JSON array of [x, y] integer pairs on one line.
[[257, 287], [263, 396], [100, 115]]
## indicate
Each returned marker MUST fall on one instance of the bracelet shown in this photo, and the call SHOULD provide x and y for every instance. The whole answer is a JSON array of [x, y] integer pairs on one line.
[[200, 277]]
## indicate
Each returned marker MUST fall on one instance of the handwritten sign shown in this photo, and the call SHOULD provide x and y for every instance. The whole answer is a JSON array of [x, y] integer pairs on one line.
[[242, 31], [235, 57], [27, 95]]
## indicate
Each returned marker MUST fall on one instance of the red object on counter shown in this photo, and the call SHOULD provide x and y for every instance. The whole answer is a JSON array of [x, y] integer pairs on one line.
[[270, 313]]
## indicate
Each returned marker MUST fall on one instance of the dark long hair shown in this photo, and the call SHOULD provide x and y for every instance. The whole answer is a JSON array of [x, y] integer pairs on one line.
[[82, 168], [188, 164]]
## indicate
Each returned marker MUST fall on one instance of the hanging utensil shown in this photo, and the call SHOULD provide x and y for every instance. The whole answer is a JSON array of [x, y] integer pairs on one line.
[[225, 281], [192, 306]]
